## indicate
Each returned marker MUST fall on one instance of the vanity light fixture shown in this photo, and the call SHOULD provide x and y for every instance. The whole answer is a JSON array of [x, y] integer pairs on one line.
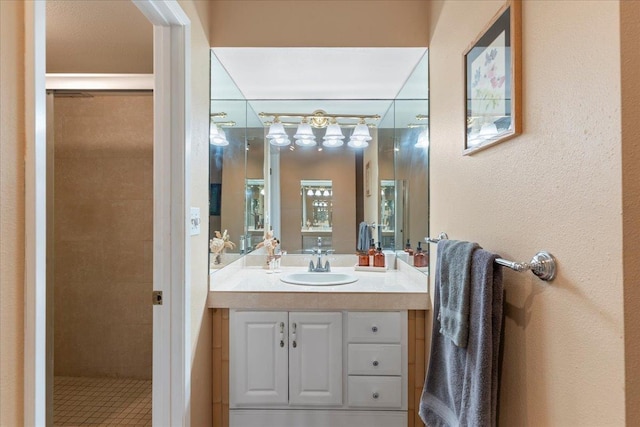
[[310, 192], [277, 135], [320, 119], [360, 137], [318, 193], [325, 193], [333, 136], [217, 136], [304, 135]]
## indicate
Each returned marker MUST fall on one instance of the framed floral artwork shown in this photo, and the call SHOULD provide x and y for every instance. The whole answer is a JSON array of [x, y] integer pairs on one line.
[[493, 81]]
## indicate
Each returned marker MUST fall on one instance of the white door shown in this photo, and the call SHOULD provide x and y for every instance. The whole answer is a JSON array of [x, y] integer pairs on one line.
[[258, 358], [315, 354]]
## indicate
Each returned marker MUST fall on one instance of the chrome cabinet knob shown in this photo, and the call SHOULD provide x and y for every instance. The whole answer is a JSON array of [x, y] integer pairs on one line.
[[375, 395], [375, 363], [374, 329]]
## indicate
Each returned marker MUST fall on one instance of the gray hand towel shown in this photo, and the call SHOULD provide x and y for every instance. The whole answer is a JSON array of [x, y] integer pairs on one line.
[[364, 237], [461, 388], [453, 270]]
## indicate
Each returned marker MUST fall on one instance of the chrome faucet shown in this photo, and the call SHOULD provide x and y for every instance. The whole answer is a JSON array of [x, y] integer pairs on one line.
[[318, 268]]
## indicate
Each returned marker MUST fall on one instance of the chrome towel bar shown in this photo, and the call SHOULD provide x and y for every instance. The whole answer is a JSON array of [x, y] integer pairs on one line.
[[543, 264]]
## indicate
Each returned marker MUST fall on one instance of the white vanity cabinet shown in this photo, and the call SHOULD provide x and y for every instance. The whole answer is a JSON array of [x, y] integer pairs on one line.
[[259, 358], [375, 360], [315, 358], [279, 358], [338, 368]]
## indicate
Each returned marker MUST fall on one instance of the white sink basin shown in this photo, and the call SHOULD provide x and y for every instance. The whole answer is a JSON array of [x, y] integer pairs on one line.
[[318, 279]]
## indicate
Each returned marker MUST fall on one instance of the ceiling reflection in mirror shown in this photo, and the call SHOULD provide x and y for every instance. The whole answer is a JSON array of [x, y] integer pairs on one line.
[[383, 182]]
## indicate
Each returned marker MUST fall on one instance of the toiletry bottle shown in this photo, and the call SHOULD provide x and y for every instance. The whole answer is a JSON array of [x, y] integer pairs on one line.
[[378, 257], [419, 258], [363, 259], [372, 252], [407, 248], [409, 252]]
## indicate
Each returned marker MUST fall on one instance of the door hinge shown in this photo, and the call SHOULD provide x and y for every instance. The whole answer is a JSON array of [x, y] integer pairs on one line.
[[157, 297]]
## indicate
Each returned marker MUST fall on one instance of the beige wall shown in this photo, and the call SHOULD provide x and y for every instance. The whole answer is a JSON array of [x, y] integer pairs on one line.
[[201, 319], [103, 227], [630, 60], [106, 36], [556, 187], [12, 148], [233, 188], [412, 167], [371, 203], [324, 23]]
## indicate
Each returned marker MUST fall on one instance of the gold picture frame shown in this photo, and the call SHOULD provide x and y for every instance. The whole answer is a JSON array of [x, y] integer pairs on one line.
[[493, 81]]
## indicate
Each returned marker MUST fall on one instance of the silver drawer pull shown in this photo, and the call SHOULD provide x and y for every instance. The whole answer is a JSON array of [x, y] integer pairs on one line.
[[375, 363], [374, 329], [294, 343], [281, 334], [375, 395]]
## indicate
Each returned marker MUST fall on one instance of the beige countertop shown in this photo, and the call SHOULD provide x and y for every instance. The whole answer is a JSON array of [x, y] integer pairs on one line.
[[243, 284]]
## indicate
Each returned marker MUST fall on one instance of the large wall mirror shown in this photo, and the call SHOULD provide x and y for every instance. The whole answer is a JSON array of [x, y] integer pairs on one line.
[[294, 180]]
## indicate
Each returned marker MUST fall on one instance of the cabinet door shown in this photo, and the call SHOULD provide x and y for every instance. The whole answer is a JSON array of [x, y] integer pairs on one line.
[[315, 355], [258, 358]]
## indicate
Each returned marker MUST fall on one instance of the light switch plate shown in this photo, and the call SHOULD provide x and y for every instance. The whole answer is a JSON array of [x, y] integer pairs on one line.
[[195, 221]]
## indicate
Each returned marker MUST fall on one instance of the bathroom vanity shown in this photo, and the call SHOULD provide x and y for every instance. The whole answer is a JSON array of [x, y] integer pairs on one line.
[[288, 355]]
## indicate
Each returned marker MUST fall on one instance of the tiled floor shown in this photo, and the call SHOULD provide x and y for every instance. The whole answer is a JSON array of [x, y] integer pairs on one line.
[[80, 401]]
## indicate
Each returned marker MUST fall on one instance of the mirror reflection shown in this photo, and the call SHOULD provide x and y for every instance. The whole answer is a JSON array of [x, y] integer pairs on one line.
[[294, 180], [317, 204], [387, 212], [255, 205]]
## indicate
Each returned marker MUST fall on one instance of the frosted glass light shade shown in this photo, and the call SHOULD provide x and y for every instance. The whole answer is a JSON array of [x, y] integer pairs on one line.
[[310, 192], [332, 142], [304, 132], [280, 141], [306, 142], [361, 132], [276, 130], [333, 132], [217, 136]]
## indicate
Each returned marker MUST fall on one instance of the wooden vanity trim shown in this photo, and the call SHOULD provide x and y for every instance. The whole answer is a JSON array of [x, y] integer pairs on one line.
[[220, 395], [416, 342], [416, 362]]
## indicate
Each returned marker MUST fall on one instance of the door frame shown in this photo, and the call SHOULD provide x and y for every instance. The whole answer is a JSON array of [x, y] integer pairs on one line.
[[171, 258]]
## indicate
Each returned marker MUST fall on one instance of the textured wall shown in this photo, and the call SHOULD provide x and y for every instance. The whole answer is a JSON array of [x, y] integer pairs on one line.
[[12, 148], [630, 60], [556, 187], [106, 36], [103, 215], [326, 23], [201, 318]]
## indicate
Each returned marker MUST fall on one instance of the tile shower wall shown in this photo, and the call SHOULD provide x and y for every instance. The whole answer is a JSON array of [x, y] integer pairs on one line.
[[103, 235]]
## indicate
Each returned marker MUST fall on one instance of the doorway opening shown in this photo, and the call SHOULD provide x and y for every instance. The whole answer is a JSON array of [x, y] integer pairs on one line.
[[101, 170]]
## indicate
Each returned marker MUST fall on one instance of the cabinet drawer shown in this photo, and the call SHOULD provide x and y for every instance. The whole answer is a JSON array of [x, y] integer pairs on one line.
[[375, 359], [375, 392], [373, 327]]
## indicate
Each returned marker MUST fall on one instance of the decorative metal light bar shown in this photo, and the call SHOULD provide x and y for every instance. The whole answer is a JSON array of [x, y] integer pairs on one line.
[[319, 119]]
